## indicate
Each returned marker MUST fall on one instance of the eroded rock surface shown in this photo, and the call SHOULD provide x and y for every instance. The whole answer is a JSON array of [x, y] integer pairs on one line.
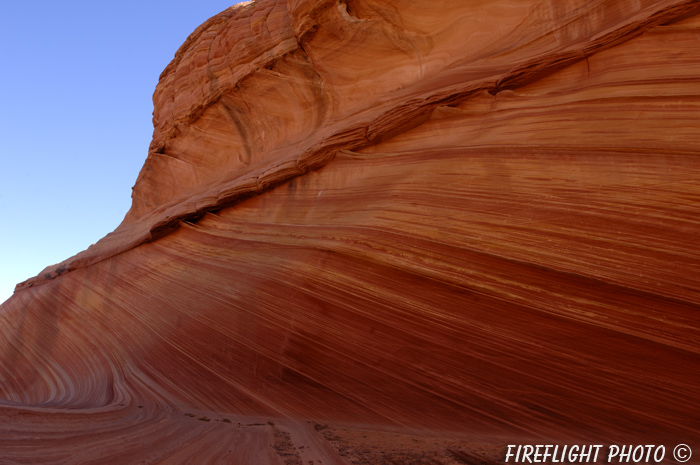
[[458, 220]]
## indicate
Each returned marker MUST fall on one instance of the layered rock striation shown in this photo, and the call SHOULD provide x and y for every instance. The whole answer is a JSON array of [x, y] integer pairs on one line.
[[453, 219]]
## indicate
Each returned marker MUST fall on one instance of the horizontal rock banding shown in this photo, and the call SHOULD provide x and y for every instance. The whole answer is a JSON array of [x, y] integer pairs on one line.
[[194, 166], [499, 241]]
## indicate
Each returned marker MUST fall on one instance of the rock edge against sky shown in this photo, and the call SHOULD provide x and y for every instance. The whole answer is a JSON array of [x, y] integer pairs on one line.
[[473, 222]]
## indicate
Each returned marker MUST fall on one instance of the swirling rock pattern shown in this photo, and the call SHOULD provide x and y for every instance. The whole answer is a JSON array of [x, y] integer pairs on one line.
[[462, 221]]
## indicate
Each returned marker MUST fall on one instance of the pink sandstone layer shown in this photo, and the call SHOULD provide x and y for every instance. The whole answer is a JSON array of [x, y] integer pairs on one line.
[[463, 223]]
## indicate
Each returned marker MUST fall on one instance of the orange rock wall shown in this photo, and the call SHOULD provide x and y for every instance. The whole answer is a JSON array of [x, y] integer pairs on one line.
[[476, 218]]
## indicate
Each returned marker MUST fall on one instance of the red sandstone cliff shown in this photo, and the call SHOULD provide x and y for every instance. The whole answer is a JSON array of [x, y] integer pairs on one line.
[[473, 221]]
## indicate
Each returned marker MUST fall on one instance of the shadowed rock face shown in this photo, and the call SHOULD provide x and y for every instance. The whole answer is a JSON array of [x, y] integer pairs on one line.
[[465, 220]]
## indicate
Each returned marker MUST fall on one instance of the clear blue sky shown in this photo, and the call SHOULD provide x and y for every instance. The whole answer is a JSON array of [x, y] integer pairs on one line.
[[75, 118]]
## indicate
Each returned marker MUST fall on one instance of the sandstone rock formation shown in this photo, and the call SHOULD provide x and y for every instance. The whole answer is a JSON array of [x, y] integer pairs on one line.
[[474, 222]]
